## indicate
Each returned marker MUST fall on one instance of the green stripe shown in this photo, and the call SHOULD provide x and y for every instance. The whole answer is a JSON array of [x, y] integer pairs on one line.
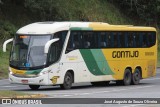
[[101, 61], [96, 62], [35, 72], [80, 28], [90, 62]]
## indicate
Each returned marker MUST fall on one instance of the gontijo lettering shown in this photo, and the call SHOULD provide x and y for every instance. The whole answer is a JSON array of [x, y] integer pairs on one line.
[[125, 54]]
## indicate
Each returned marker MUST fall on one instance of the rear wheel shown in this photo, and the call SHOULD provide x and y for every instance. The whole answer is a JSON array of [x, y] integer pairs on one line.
[[68, 80], [34, 87], [136, 77], [126, 79], [102, 83]]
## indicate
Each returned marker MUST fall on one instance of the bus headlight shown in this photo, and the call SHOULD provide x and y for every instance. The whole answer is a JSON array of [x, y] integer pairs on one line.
[[44, 72], [10, 72]]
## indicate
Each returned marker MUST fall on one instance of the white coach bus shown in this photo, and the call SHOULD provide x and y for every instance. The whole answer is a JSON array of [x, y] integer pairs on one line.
[[62, 53]]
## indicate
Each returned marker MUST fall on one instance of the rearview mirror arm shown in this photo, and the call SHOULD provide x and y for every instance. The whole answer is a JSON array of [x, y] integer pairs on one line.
[[5, 44], [48, 44]]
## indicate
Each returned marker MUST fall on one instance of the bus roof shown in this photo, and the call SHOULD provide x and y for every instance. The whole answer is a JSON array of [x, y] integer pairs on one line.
[[52, 27]]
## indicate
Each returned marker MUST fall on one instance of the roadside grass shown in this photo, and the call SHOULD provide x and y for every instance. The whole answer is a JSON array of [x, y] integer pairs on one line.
[[4, 63], [11, 94], [17, 94]]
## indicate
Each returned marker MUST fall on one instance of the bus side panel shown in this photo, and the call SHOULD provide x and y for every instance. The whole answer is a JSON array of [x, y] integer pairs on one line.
[[145, 59], [74, 61], [97, 65]]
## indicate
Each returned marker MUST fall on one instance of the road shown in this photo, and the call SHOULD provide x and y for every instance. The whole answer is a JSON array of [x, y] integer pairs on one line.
[[148, 88]]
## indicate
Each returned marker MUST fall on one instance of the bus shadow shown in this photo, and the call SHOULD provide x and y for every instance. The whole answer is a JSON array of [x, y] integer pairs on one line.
[[57, 88]]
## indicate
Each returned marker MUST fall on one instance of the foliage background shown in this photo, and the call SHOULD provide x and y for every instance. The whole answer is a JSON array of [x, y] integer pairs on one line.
[[17, 13]]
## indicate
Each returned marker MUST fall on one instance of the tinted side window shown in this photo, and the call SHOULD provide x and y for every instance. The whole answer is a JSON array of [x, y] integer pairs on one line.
[[116, 40], [74, 41], [147, 39], [121, 39], [151, 38], [56, 48], [82, 40], [144, 39], [136, 39], [102, 39], [89, 40], [108, 39]]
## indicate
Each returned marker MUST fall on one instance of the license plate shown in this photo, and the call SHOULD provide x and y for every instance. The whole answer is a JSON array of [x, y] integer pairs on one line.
[[24, 81]]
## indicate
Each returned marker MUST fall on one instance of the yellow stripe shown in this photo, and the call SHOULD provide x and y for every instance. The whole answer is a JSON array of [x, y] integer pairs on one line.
[[15, 71], [108, 27]]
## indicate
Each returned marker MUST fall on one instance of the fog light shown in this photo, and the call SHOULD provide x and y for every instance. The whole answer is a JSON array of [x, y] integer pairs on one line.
[[44, 72]]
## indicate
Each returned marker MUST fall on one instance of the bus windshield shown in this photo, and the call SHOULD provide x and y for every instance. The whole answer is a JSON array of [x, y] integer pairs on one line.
[[28, 51]]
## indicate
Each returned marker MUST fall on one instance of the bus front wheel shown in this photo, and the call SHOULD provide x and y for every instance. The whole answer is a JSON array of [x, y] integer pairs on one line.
[[68, 79], [34, 87]]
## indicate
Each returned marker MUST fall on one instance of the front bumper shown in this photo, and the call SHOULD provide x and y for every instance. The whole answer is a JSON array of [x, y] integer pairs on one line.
[[40, 80]]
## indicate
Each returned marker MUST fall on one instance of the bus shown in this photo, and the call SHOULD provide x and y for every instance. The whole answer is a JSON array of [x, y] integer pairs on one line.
[[63, 53]]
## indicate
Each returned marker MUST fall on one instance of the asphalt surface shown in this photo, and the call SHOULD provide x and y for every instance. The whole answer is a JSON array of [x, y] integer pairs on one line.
[[148, 88]]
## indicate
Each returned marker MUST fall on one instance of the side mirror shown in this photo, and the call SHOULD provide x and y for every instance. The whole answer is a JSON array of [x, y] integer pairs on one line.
[[5, 44], [48, 44]]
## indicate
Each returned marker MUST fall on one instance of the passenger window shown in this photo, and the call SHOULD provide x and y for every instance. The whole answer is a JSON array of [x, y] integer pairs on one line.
[[121, 40], [109, 41], [89, 40], [151, 38], [115, 41], [144, 43], [130, 39], [94, 40], [73, 42], [102, 43], [136, 39]]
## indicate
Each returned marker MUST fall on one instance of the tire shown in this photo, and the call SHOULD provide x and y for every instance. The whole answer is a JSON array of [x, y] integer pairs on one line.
[[68, 80], [34, 87], [136, 77], [126, 79], [103, 83]]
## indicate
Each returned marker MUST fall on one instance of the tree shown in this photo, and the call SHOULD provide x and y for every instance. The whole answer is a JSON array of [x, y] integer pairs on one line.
[[146, 10]]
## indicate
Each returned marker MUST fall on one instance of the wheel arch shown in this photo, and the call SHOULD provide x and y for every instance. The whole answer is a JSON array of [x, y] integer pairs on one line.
[[72, 72], [130, 68]]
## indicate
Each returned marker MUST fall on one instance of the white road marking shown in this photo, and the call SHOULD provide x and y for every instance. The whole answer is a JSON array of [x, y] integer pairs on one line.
[[114, 90], [84, 93], [8, 86], [134, 105], [151, 78], [4, 80], [67, 95]]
